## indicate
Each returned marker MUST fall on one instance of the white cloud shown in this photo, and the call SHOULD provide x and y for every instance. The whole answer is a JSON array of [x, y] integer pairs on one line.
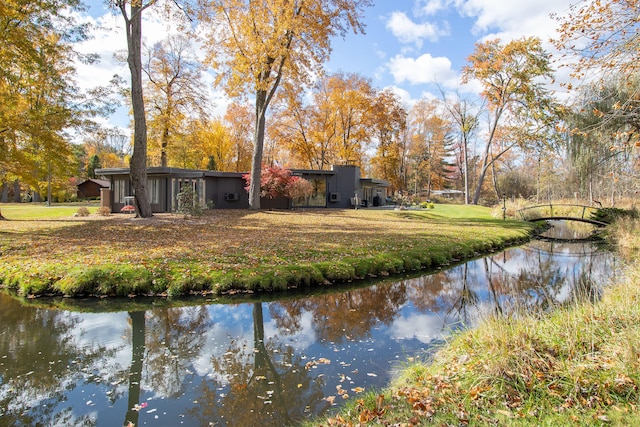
[[408, 31], [424, 69], [513, 19], [431, 7]]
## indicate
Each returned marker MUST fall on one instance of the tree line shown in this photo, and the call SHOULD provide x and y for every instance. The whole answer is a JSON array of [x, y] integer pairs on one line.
[[515, 139]]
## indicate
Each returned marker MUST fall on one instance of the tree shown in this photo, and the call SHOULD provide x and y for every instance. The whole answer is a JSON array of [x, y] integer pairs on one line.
[[175, 89], [351, 97], [257, 44], [277, 181], [238, 119], [430, 145], [519, 107], [334, 127], [132, 14], [94, 163], [600, 38], [40, 99], [599, 42], [466, 119], [388, 120]]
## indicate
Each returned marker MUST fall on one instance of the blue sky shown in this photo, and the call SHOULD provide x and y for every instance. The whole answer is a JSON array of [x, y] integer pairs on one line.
[[408, 46]]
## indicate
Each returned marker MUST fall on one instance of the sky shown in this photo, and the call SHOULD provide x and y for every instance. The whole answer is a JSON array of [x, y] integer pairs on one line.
[[411, 46]]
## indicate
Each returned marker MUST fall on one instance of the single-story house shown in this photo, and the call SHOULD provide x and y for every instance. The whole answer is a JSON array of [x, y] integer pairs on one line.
[[90, 188], [340, 187]]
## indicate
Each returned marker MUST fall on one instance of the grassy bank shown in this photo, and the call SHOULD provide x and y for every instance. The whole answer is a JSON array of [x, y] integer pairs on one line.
[[234, 250], [578, 366]]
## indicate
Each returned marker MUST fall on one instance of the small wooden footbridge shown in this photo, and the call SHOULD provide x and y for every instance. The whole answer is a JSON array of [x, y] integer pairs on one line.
[[559, 212]]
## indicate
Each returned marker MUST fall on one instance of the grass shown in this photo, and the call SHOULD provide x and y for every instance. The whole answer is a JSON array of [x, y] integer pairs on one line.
[[579, 365], [45, 250], [36, 211]]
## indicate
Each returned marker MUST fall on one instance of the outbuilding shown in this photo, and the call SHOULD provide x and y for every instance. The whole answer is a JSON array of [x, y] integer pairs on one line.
[[90, 188]]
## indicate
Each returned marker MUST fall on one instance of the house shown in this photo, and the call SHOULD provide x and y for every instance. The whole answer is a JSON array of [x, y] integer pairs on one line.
[[90, 188], [339, 187]]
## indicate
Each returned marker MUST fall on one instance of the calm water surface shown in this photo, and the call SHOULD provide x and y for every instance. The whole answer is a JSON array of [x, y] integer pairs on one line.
[[258, 362]]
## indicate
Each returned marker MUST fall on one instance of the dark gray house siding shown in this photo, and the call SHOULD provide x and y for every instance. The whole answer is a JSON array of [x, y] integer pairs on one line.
[[336, 188]]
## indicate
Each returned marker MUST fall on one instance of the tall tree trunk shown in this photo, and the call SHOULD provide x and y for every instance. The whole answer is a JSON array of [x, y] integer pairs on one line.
[[258, 148], [16, 191], [465, 161], [138, 164], [163, 146]]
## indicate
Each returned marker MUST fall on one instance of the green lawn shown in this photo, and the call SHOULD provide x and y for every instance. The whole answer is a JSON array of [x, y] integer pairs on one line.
[[47, 250], [33, 211]]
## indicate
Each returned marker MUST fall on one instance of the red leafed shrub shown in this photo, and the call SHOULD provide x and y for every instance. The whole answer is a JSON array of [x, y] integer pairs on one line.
[[276, 181]]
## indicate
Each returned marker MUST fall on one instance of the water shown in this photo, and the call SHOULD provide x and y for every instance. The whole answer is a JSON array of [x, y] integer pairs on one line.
[[261, 362]]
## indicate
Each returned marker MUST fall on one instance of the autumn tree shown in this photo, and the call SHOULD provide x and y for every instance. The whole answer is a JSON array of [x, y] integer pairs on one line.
[[215, 143], [351, 96], [519, 107], [277, 181], [257, 44], [111, 145], [131, 11], [465, 119], [599, 38], [40, 100], [302, 129], [174, 90], [598, 42], [238, 120], [388, 120], [430, 145], [331, 126]]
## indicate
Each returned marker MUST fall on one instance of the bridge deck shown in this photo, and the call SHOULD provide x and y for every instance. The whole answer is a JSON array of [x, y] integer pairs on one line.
[[564, 212]]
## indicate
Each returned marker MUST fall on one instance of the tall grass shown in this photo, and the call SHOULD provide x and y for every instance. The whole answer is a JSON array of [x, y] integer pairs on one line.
[[579, 365]]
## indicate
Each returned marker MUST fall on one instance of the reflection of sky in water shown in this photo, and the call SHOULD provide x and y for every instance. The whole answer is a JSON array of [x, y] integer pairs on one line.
[[97, 387]]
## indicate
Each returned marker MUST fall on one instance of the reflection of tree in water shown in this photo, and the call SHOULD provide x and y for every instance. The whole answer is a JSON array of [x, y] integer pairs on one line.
[[347, 315], [517, 279], [40, 351], [138, 331], [175, 336], [266, 383]]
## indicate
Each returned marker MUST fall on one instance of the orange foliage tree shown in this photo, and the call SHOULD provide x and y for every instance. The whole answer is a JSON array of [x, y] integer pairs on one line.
[[257, 44], [520, 108], [388, 120]]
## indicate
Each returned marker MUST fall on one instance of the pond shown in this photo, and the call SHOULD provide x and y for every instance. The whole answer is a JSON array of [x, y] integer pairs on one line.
[[261, 362]]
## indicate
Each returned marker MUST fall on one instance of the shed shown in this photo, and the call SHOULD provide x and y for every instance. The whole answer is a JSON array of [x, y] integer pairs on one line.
[[91, 188]]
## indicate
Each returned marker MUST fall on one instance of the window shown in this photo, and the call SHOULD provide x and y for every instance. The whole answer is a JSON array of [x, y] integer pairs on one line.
[[119, 190], [153, 187], [319, 196]]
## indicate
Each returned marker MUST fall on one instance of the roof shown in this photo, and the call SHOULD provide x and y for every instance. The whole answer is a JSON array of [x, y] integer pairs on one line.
[[376, 182], [101, 182]]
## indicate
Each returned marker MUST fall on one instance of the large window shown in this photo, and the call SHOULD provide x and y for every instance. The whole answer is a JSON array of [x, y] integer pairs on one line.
[[319, 196], [119, 190], [153, 185]]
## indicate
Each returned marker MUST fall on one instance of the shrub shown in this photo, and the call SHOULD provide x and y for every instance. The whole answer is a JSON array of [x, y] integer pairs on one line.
[[83, 211], [104, 211], [188, 203]]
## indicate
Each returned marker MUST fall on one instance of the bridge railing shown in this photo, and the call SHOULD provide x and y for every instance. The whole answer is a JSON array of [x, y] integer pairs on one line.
[[553, 210]]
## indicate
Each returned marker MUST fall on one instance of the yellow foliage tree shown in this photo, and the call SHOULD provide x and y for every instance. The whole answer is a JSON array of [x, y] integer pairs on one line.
[[388, 121], [430, 145], [239, 120], [257, 44], [174, 91], [39, 96], [512, 77]]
